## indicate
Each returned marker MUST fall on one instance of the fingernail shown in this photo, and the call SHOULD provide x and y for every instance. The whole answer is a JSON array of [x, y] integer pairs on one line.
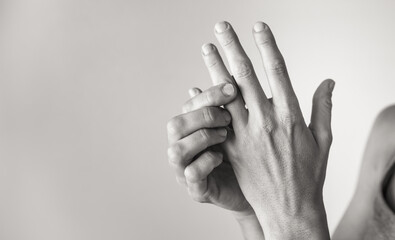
[[208, 48], [332, 85], [192, 92], [222, 132], [221, 27], [227, 117], [228, 89], [259, 27]]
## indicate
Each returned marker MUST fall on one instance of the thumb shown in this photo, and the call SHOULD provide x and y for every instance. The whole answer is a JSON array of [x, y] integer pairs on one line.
[[321, 114]]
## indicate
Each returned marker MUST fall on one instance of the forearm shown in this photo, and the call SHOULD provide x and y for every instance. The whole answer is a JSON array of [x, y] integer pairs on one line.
[[250, 226]]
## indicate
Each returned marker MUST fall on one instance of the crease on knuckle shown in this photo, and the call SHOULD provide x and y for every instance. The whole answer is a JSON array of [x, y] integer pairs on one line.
[[278, 67], [229, 41], [243, 69], [328, 102], [201, 197], [205, 136], [208, 115], [209, 96], [265, 42], [211, 64], [288, 119], [210, 156], [324, 99], [268, 127]]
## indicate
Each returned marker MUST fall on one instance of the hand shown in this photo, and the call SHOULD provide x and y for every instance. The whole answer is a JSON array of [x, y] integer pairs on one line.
[[196, 154], [279, 162]]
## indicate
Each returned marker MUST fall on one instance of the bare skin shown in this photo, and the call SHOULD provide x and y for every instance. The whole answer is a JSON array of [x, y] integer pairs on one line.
[[278, 161], [370, 214], [202, 167]]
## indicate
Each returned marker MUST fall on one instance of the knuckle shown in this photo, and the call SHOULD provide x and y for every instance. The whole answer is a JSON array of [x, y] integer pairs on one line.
[[187, 107], [243, 69], [267, 127], [210, 156], [210, 97], [288, 119], [327, 137], [204, 133], [174, 154], [229, 40], [208, 114], [174, 125], [200, 199], [211, 62], [192, 174], [323, 98], [278, 66], [328, 102], [265, 42]]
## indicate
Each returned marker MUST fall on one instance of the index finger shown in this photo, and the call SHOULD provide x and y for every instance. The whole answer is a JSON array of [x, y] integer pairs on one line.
[[215, 96]]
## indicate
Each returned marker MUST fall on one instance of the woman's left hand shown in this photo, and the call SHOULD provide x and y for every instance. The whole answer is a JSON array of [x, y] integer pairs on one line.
[[279, 161]]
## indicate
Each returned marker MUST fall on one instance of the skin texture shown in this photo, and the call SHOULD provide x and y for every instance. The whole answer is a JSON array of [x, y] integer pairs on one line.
[[279, 162], [207, 175], [370, 214], [249, 224], [197, 156]]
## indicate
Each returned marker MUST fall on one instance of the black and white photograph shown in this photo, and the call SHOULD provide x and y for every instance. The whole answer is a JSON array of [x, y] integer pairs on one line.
[[191, 120]]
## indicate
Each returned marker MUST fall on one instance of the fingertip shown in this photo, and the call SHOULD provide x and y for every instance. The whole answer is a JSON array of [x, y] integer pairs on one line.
[[260, 27], [221, 27], [222, 132], [326, 87], [208, 48], [228, 90], [331, 85], [194, 92]]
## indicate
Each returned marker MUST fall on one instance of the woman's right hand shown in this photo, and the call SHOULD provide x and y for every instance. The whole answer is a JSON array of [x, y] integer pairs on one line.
[[195, 150]]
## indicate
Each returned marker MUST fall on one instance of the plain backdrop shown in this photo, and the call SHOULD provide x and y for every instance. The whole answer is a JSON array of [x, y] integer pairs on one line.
[[87, 87]]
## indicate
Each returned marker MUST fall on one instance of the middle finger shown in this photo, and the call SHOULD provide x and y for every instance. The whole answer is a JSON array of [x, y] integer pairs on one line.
[[241, 67]]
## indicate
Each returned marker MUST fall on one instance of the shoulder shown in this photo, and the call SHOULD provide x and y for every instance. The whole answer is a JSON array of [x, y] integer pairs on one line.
[[383, 129], [380, 148], [385, 119]]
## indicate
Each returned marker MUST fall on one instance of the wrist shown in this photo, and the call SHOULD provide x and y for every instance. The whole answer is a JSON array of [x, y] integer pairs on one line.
[[309, 224], [249, 225], [245, 215]]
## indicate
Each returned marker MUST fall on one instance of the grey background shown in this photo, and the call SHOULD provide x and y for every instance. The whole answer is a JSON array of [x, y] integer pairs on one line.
[[86, 89]]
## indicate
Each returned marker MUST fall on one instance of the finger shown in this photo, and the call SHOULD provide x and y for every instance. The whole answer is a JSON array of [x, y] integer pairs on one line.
[[215, 96], [197, 172], [219, 74], [241, 67], [181, 153], [193, 92], [275, 68], [321, 114], [206, 117]]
